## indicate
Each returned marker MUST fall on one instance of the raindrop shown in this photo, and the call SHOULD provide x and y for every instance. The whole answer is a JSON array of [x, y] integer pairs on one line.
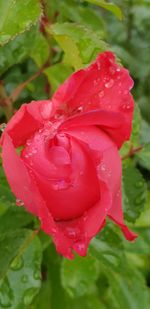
[[54, 230], [109, 84], [37, 275], [139, 184], [112, 70], [118, 193], [72, 232], [46, 110], [6, 296], [17, 263], [28, 143], [24, 279], [29, 295], [80, 109], [101, 94], [19, 202], [81, 247], [118, 69], [60, 185], [98, 66]]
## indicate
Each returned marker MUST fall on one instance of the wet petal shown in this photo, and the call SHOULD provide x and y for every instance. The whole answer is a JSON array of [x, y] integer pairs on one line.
[[28, 119], [103, 85]]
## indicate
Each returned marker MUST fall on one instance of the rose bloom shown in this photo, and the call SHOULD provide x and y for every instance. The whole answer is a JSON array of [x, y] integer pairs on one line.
[[68, 173]]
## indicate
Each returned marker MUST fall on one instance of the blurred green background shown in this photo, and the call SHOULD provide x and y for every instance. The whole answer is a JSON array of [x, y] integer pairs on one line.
[[41, 43]]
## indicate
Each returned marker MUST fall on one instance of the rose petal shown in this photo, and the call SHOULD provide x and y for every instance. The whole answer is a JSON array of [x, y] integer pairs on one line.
[[111, 122], [103, 85], [28, 119]]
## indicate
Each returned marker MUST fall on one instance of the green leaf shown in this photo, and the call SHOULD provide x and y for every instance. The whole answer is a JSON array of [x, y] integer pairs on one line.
[[143, 157], [21, 276], [57, 74], [108, 6], [127, 288], [80, 44], [14, 218], [83, 15], [134, 191], [143, 220], [135, 134], [79, 276], [141, 244], [16, 17], [29, 44], [108, 248]]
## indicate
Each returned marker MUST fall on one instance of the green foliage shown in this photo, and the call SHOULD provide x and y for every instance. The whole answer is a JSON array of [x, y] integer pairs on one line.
[[16, 17], [79, 43], [78, 276], [133, 191], [108, 6], [20, 269], [143, 157], [58, 37]]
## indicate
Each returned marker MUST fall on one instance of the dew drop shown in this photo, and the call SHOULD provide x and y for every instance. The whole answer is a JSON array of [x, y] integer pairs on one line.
[[29, 295], [98, 66], [81, 248], [112, 70], [19, 202], [109, 84], [17, 263], [139, 184], [72, 232], [46, 110], [37, 275], [6, 295], [60, 185], [24, 279], [54, 230], [101, 94], [118, 69]]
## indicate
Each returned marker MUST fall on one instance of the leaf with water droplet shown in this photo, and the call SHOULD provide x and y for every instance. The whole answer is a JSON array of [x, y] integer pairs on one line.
[[21, 279], [134, 191], [79, 276]]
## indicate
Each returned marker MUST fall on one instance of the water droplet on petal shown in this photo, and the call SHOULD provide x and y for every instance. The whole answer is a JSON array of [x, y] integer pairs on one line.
[[19, 202], [72, 232], [81, 248], [109, 84], [112, 70], [60, 185], [46, 110], [98, 65], [101, 94], [17, 263], [118, 69]]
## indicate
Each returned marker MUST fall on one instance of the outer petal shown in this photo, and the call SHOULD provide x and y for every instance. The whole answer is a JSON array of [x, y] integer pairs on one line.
[[29, 118], [110, 122], [24, 187], [109, 172], [103, 85]]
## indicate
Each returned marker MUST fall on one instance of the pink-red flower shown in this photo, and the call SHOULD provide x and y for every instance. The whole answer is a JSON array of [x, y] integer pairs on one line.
[[68, 173]]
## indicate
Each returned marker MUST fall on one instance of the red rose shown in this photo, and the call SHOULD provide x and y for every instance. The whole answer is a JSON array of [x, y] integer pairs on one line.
[[69, 171]]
